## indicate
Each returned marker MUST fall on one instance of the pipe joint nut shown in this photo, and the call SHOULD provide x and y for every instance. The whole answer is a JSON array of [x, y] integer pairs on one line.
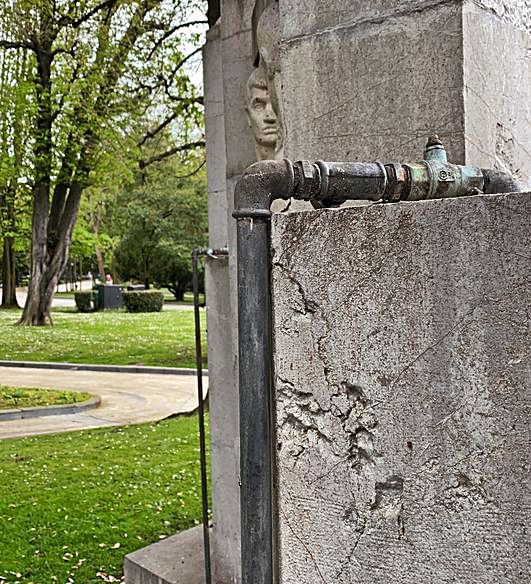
[[307, 180], [397, 182]]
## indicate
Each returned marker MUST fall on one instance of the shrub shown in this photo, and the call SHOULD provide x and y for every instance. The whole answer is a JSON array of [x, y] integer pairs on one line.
[[143, 301], [86, 301]]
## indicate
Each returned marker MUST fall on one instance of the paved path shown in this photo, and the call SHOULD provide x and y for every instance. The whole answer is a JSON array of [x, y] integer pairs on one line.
[[127, 398]]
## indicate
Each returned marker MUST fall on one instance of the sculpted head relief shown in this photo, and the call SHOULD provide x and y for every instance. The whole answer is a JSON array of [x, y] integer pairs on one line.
[[268, 45], [261, 116]]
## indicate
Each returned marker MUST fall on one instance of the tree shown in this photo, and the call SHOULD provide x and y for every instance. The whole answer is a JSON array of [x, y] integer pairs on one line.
[[163, 220], [108, 77], [15, 97]]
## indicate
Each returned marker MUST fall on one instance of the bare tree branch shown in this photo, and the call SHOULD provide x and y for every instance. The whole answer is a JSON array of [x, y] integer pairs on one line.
[[62, 50], [167, 153], [79, 21], [152, 133], [171, 32], [166, 82], [16, 45], [199, 99], [184, 60], [193, 171]]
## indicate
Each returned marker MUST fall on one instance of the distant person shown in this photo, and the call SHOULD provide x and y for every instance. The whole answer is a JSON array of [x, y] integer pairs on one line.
[[108, 279]]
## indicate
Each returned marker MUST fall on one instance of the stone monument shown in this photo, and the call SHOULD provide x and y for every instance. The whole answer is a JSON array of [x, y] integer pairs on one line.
[[402, 374], [352, 81]]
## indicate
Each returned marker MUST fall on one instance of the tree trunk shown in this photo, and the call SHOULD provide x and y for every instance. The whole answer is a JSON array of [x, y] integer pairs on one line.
[[37, 310], [101, 265], [96, 222], [9, 280], [46, 269], [177, 291], [47, 262], [39, 300]]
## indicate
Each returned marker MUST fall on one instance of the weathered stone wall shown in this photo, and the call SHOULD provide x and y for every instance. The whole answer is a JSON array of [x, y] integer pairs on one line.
[[228, 63], [497, 85], [371, 80], [402, 375], [223, 397]]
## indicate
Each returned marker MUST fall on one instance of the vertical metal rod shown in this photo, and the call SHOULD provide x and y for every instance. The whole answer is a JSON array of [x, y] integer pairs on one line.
[[202, 441], [255, 399]]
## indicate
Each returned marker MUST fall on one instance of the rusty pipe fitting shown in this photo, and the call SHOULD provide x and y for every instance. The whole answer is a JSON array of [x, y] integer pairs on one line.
[[260, 184], [329, 184]]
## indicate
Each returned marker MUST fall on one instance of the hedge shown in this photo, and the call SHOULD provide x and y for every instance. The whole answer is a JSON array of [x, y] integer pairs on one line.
[[86, 301], [143, 301]]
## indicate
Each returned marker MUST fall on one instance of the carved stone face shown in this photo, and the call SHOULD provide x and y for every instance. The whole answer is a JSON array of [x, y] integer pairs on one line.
[[268, 44], [262, 118]]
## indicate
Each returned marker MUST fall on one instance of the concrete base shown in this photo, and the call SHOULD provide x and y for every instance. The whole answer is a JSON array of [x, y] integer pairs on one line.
[[176, 560]]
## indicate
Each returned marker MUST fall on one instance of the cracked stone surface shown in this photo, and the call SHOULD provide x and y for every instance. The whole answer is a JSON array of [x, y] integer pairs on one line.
[[401, 367], [314, 16], [371, 80]]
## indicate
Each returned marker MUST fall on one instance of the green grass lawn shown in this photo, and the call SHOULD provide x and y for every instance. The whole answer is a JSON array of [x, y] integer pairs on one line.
[[107, 337], [28, 397], [66, 294], [72, 505], [188, 298]]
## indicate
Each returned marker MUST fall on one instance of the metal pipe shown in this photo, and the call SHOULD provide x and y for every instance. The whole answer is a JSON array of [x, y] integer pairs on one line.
[[201, 403], [338, 178], [329, 184], [259, 184], [497, 181]]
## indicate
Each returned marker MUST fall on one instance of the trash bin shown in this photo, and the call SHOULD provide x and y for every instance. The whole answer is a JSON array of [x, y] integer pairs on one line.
[[109, 296]]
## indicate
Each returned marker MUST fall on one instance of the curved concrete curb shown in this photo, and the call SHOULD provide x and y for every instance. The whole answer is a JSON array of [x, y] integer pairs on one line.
[[39, 411], [110, 368]]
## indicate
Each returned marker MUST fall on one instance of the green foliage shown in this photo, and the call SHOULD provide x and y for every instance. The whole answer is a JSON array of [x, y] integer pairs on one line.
[[111, 337], [143, 301], [162, 221], [72, 505], [84, 243], [92, 94], [28, 397], [86, 300], [15, 149]]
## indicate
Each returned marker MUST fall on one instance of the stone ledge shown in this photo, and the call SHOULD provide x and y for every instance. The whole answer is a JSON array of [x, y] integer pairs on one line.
[[38, 411], [178, 559]]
